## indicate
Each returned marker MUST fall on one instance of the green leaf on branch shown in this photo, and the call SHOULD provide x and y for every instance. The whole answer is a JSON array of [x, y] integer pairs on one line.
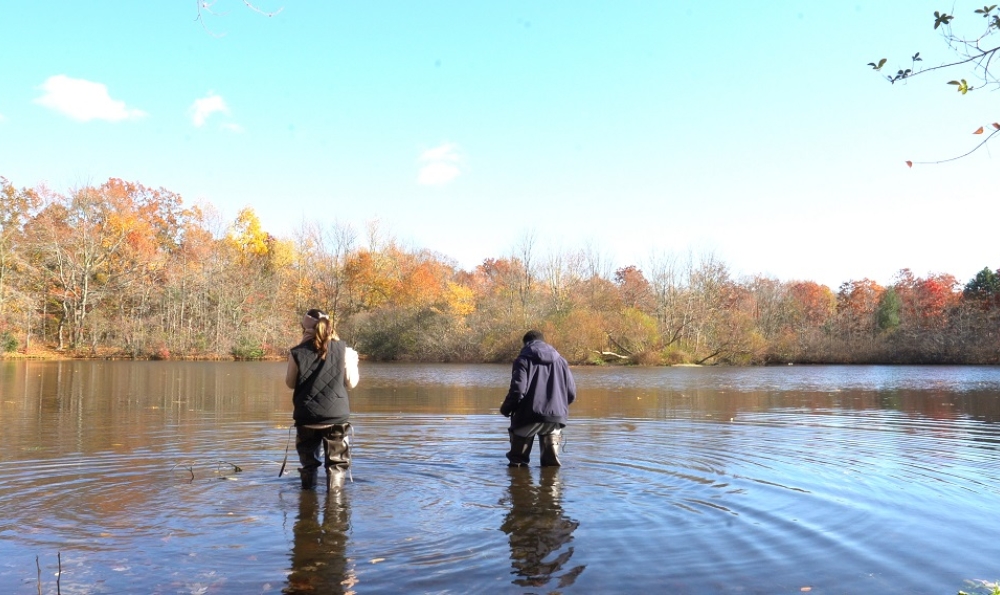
[[900, 75], [916, 57], [878, 66], [986, 10], [941, 18]]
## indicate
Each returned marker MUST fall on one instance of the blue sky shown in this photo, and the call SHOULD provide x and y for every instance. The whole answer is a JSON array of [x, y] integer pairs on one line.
[[637, 129]]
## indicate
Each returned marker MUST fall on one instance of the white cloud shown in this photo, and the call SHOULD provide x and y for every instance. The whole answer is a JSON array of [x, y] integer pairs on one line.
[[84, 100], [206, 106], [437, 174], [446, 152], [440, 165]]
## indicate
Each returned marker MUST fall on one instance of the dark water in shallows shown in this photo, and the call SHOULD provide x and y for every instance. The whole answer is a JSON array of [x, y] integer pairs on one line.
[[676, 480]]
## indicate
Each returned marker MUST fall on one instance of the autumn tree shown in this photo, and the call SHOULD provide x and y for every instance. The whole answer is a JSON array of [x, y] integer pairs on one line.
[[322, 253], [731, 334], [926, 302], [151, 220], [130, 269], [499, 316], [634, 289], [710, 285], [368, 282], [558, 272], [187, 303], [673, 304], [569, 318], [524, 256], [16, 207], [771, 307], [422, 301], [856, 319], [977, 321], [918, 313], [76, 238], [249, 309], [812, 304], [633, 331], [808, 311]]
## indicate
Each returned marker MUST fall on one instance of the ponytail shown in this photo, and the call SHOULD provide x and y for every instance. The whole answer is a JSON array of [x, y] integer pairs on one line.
[[324, 334]]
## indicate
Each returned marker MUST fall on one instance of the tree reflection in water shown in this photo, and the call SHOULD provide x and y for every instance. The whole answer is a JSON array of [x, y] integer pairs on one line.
[[538, 529], [319, 552]]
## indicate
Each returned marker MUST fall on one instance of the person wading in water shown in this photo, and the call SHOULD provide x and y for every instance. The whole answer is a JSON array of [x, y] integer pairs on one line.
[[541, 390], [320, 371]]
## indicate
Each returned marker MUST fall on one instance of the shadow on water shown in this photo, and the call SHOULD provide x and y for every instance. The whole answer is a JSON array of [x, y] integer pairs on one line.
[[319, 562], [539, 530]]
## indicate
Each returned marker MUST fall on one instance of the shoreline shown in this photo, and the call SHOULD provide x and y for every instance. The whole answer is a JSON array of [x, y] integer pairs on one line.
[[51, 354]]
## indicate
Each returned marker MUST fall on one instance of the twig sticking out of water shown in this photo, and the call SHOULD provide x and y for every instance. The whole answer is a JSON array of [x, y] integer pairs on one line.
[[236, 468], [218, 467], [190, 468], [38, 567]]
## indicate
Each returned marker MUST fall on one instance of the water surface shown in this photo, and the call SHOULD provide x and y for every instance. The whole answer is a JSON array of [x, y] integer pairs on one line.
[[162, 477]]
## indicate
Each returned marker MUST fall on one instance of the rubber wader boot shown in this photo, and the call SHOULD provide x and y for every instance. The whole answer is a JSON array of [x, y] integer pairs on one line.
[[308, 478], [338, 458], [550, 449], [520, 450]]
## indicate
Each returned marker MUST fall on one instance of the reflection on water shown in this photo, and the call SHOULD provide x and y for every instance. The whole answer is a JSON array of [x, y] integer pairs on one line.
[[162, 477], [319, 552], [539, 530]]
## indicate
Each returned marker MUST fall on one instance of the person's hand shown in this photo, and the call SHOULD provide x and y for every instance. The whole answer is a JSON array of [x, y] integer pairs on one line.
[[506, 409], [351, 356]]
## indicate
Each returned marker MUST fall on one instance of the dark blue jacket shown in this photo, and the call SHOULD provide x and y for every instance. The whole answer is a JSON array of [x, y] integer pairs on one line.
[[541, 387], [320, 396]]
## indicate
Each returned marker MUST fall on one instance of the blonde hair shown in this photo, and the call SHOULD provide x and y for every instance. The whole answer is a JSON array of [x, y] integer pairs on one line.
[[324, 331]]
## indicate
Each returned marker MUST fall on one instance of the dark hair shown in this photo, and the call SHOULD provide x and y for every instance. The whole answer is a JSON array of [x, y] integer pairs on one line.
[[533, 336]]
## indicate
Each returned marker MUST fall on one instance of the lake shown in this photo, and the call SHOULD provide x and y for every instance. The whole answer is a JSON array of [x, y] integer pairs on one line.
[[162, 477]]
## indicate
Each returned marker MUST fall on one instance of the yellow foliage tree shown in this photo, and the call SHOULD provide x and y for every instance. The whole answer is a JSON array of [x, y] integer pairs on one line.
[[247, 236], [461, 300]]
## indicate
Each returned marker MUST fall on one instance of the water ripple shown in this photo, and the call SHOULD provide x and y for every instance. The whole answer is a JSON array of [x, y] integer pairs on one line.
[[731, 492]]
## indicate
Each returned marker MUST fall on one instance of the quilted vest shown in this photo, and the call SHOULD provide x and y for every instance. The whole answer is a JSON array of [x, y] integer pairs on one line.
[[320, 396]]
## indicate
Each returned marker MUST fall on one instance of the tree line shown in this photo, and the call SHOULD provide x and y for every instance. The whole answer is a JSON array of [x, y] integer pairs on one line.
[[123, 270]]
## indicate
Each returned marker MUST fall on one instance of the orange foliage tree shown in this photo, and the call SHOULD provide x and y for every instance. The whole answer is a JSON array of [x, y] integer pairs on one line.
[[129, 269]]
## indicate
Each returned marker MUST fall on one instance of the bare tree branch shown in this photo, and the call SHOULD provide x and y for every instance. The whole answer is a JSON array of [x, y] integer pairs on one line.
[[205, 7]]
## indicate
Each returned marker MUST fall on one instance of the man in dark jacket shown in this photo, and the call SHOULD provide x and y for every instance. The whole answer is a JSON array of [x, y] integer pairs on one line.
[[541, 389]]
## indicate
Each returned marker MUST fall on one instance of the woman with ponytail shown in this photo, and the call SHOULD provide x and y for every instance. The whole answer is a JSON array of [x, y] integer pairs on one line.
[[321, 369]]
